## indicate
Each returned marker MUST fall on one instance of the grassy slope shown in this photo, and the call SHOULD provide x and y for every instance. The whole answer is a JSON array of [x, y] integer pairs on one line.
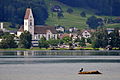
[[70, 20]]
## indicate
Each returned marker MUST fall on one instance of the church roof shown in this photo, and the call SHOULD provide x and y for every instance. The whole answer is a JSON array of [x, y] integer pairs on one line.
[[27, 13], [44, 29], [21, 29], [41, 29]]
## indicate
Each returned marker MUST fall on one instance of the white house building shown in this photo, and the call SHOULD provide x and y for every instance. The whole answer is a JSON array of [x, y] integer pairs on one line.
[[37, 31], [86, 34]]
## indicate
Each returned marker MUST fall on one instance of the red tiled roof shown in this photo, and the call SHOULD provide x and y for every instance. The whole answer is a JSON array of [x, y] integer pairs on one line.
[[64, 35], [27, 13]]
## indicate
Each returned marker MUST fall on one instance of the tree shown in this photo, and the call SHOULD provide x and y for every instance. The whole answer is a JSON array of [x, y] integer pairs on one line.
[[69, 10], [94, 22], [53, 43], [8, 41], [43, 43], [89, 40], [82, 42], [67, 40], [13, 10], [60, 15], [101, 39], [83, 14], [114, 39], [25, 40]]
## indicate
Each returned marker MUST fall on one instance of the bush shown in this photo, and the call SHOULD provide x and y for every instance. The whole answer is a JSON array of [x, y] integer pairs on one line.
[[69, 10], [83, 14]]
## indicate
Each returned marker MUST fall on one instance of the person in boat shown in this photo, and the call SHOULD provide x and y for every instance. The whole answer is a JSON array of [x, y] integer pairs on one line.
[[81, 70]]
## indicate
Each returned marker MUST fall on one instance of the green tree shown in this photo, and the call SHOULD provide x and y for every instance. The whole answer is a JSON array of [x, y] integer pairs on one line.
[[82, 42], [60, 15], [13, 10], [114, 39], [8, 41], [67, 40], [69, 10], [83, 14], [53, 43], [94, 22], [43, 43], [101, 39], [25, 40]]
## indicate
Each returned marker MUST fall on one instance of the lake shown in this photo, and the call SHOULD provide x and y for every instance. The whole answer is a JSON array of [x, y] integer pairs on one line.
[[59, 65]]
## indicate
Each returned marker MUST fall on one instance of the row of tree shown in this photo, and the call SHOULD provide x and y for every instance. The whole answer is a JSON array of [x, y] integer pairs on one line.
[[102, 39], [43, 43], [11, 41]]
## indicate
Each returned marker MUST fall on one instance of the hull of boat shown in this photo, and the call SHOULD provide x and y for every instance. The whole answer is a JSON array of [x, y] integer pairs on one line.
[[90, 72]]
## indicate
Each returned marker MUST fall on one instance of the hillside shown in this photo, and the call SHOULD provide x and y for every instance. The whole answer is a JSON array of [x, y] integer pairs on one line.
[[74, 19], [13, 12], [70, 20]]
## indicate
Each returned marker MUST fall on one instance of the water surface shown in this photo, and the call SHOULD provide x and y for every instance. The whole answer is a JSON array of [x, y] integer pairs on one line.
[[58, 65]]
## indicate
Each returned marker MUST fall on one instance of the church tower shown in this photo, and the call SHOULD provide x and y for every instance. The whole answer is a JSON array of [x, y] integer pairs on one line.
[[29, 21]]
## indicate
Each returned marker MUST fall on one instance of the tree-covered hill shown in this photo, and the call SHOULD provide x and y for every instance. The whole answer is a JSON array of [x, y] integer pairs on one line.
[[14, 10], [66, 13], [102, 7]]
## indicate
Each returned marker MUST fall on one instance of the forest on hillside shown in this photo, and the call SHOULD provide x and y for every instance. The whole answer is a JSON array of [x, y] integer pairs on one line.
[[102, 7], [14, 10]]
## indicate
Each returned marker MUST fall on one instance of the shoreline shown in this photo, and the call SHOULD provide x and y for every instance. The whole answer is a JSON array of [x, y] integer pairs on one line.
[[44, 49]]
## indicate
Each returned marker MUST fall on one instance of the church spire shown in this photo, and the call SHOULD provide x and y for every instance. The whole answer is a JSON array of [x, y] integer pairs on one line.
[[29, 21]]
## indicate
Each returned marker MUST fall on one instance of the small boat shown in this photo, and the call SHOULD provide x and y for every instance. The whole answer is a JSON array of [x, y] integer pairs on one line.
[[90, 72]]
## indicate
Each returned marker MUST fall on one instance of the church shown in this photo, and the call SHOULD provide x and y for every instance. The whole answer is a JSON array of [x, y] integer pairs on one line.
[[37, 31]]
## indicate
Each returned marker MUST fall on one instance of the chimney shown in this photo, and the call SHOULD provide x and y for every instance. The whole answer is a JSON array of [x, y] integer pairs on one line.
[[1, 26]]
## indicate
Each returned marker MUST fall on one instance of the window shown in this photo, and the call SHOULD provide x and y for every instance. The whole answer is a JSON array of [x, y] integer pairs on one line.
[[30, 23], [26, 23]]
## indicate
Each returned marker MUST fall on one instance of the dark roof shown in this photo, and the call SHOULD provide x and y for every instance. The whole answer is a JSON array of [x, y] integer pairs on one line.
[[21, 28], [27, 13], [44, 29], [40, 29]]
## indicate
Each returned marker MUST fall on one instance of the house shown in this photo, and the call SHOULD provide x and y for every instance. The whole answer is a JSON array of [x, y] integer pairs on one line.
[[1, 25], [86, 34], [60, 29], [6, 30], [73, 29], [109, 30], [37, 31], [63, 35]]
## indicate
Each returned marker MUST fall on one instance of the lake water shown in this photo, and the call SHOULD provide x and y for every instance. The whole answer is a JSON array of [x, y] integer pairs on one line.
[[59, 65]]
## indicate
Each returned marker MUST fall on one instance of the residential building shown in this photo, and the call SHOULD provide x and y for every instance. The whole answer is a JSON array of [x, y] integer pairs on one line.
[[86, 33]]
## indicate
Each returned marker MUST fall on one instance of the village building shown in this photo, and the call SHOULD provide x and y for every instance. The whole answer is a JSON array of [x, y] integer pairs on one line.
[[72, 29], [86, 34], [60, 29], [110, 30]]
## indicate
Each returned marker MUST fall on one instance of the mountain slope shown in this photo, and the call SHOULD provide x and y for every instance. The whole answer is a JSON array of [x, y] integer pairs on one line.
[[71, 20]]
